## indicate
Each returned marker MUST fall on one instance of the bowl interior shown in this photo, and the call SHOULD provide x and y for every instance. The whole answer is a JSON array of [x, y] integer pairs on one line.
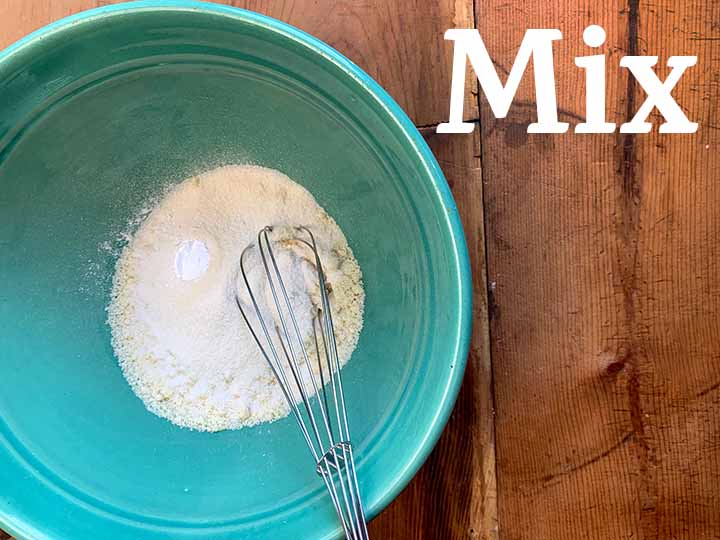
[[103, 114]]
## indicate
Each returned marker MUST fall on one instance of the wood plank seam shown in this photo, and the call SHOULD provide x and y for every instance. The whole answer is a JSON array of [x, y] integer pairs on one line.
[[492, 530]]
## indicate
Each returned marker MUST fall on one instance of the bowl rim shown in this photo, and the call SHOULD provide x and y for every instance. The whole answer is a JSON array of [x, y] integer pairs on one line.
[[458, 246]]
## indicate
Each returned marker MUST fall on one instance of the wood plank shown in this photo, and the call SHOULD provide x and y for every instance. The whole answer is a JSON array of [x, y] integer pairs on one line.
[[19, 17], [676, 284], [603, 257], [565, 438], [453, 497]]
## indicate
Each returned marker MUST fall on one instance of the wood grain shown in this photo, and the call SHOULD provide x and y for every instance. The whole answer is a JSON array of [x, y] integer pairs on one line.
[[19, 17], [557, 322], [603, 263], [676, 295]]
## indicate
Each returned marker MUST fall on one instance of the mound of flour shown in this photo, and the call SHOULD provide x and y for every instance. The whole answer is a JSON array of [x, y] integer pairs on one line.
[[176, 330]]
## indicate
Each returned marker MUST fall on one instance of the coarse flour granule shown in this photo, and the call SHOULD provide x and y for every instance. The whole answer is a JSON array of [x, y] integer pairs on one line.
[[176, 330]]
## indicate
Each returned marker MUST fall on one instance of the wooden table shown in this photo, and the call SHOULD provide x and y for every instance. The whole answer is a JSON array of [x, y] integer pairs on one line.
[[591, 403]]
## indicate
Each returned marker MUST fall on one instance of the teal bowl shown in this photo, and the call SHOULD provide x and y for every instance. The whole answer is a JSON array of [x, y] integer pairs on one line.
[[101, 111]]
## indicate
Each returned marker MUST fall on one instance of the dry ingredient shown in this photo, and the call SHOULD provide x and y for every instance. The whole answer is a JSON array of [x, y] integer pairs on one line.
[[191, 260], [176, 330]]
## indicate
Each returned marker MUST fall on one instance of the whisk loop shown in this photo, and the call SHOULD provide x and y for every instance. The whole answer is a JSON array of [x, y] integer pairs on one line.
[[323, 418]]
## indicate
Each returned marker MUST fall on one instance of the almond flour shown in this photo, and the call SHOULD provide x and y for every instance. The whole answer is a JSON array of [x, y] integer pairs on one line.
[[178, 335]]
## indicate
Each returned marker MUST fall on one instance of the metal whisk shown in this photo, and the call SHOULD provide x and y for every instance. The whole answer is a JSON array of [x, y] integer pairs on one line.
[[322, 418]]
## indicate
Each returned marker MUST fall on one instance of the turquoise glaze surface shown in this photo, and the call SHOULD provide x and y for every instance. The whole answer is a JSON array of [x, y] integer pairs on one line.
[[100, 112]]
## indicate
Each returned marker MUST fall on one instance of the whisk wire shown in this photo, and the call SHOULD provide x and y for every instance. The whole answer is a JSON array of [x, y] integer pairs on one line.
[[263, 235], [275, 365], [281, 375], [334, 459], [348, 458], [320, 368], [359, 513], [267, 253]]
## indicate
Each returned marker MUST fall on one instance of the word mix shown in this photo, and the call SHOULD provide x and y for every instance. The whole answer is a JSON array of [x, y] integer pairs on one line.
[[537, 44]]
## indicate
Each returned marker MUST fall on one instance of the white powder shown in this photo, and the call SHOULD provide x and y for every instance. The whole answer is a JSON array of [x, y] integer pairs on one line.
[[178, 335], [191, 260]]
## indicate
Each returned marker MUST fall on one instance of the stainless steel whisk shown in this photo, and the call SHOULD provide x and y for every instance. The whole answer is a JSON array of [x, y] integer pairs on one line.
[[322, 418]]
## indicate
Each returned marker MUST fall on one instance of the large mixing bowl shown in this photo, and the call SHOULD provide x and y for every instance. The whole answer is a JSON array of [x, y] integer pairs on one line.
[[100, 111]]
